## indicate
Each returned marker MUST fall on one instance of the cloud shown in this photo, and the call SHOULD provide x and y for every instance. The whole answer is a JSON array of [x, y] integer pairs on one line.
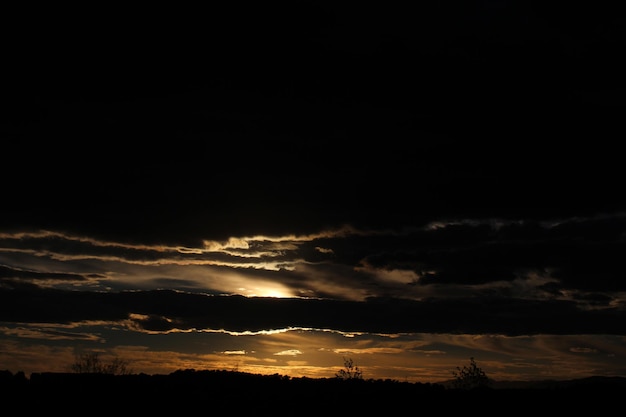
[[167, 310], [291, 352]]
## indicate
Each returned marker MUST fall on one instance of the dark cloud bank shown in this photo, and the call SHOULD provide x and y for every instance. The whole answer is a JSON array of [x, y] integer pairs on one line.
[[166, 310], [143, 126]]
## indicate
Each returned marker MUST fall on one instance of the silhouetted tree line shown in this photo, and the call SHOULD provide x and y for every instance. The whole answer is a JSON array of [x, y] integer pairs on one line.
[[234, 391], [280, 395]]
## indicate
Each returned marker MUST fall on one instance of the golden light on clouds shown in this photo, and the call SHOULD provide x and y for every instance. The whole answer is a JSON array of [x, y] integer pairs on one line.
[[268, 288], [290, 352], [234, 352]]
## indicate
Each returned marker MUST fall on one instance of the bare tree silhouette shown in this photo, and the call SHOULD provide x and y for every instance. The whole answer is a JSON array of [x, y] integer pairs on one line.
[[470, 377], [90, 363], [350, 371]]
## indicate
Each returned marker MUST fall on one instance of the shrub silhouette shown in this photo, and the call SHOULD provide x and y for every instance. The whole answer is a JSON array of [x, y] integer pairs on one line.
[[350, 371], [470, 377], [90, 363]]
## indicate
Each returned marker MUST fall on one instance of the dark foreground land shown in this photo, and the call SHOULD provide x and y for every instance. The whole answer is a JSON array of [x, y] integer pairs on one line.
[[209, 392]]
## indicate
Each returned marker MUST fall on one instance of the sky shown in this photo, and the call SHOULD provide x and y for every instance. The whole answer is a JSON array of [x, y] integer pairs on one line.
[[275, 189]]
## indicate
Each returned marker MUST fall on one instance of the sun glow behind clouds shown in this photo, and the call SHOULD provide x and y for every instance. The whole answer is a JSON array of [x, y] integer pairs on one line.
[[266, 289]]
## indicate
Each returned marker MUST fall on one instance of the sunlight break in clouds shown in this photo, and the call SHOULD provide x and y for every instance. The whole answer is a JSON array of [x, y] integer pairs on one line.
[[247, 242], [234, 352], [66, 248], [290, 352]]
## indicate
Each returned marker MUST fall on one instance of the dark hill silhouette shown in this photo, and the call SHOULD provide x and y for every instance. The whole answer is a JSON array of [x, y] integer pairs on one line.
[[231, 391]]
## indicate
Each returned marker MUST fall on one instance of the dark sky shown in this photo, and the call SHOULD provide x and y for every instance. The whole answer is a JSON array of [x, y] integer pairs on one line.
[[409, 186]]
